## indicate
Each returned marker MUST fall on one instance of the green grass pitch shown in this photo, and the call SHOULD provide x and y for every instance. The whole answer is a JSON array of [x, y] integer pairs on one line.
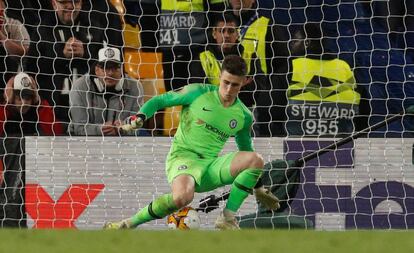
[[266, 241]]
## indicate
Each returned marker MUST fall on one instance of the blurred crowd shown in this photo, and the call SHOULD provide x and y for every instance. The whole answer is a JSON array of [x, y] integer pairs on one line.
[[321, 68]]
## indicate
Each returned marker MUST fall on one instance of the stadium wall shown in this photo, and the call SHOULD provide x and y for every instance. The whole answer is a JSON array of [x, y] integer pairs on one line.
[[83, 182]]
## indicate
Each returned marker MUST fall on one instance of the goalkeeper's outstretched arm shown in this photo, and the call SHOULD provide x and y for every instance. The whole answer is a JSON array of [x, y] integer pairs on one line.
[[183, 97]]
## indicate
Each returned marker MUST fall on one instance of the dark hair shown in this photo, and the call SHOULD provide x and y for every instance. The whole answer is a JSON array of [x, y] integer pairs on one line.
[[99, 65], [108, 64], [235, 65], [227, 17]]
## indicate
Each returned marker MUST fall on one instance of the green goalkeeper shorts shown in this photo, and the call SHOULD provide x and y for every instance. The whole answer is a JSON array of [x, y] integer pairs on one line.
[[209, 173]]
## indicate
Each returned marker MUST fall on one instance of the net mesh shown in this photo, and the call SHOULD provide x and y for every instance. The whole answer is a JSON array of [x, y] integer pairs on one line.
[[319, 70]]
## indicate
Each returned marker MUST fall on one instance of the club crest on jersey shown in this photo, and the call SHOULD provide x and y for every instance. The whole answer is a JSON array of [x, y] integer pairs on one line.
[[182, 167], [233, 123]]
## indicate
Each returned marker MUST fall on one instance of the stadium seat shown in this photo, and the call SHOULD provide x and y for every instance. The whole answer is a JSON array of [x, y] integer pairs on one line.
[[131, 33], [143, 65], [131, 36], [119, 6]]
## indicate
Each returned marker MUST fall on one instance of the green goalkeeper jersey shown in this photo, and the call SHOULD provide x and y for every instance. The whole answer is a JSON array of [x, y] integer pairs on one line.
[[205, 124]]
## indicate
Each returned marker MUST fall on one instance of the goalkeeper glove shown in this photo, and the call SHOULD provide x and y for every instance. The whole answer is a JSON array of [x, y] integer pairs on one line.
[[133, 122], [266, 198]]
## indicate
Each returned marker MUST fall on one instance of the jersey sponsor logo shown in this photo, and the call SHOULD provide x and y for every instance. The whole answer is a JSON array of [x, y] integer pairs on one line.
[[182, 167], [233, 123], [206, 110], [221, 135]]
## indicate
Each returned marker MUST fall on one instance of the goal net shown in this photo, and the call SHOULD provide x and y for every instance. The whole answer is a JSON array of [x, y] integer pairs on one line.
[[319, 71]]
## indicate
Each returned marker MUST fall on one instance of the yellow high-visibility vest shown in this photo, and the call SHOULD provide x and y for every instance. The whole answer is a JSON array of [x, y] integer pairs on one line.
[[339, 79], [182, 22], [184, 6], [254, 42], [211, 66]]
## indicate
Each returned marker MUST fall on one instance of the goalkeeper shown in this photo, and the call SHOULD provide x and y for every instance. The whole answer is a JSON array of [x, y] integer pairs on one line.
[[210, 115]]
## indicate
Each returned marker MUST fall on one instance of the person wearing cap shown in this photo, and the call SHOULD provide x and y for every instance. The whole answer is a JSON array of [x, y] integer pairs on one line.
[[66, 45], [100, 101], [23, 112]]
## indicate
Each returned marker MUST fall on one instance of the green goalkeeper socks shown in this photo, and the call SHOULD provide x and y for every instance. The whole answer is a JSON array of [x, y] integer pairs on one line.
[[241, 187], [157, 209], [165, 205]]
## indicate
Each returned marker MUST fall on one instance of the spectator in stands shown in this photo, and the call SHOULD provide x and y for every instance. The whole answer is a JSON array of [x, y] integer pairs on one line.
[[207, 67], [29, 12], [24, 112], [66, 47], [322, 91], [265, 47], [14, 43], [182, 35], [101, 101]]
